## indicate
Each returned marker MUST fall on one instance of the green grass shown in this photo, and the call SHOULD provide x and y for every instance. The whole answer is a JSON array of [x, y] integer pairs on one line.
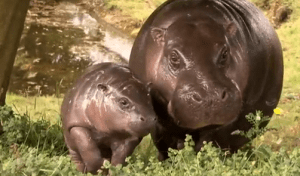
[[289, 33], [288, 123], [38, 107], [137, 9], [36, 148]]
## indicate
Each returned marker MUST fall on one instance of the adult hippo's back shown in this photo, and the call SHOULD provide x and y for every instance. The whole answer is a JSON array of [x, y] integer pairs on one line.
[[211, 62]]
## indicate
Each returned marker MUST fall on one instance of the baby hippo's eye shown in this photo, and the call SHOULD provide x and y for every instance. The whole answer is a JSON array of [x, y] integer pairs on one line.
[[124, 103]]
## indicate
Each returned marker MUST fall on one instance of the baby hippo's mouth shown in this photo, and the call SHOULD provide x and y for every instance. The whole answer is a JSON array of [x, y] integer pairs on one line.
[[144, 125]]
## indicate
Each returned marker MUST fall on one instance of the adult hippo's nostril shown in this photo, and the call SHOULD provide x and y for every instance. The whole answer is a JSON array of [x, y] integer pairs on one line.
[[224, 95], [196, 97], [142, 119]]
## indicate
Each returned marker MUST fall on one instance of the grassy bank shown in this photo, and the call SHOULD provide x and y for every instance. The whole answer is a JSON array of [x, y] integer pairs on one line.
[[37, 107], [37, 148], [288, 123], [137, 9]]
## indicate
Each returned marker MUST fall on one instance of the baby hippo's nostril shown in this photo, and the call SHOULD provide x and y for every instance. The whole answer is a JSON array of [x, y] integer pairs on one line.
[[155, 119], [142, 119], [224, 95], [196, 97]]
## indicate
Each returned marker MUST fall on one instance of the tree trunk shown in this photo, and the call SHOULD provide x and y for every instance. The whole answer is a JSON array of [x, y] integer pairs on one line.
[[12, 18]]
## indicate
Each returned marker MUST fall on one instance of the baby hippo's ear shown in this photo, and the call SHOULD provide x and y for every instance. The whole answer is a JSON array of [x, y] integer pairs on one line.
[[103, 87], [149, 86], [158, 35]]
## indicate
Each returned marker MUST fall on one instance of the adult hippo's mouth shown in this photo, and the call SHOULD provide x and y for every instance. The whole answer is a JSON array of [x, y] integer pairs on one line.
[[193, 111]]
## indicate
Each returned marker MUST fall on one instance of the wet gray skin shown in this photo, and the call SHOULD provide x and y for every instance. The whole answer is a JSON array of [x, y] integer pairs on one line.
[[105, 116], [211, 63]]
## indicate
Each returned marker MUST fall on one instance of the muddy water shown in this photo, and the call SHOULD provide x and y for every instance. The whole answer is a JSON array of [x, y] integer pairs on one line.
[[59, 42]]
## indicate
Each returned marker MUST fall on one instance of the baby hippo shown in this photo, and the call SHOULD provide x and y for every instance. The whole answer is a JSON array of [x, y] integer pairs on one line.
[[105, 116]]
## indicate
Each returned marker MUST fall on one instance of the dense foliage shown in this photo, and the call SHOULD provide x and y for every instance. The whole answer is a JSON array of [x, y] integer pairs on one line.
[[36, 148]]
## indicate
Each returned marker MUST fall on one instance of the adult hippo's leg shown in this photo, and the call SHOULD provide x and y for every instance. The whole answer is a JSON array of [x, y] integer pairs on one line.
[[164, 139], [228, 136], [166, 134]]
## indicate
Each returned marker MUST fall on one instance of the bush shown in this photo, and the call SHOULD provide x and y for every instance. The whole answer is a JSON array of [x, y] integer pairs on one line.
[[24, 160], [19, 129], [37, 148], [213, 161]]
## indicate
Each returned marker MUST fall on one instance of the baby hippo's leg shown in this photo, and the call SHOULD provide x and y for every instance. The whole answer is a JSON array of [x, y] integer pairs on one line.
[[77, 160], [122, 149], [87, 149]]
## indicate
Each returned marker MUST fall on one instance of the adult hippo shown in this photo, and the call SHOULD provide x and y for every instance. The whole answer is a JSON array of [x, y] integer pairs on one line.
[[211, 62], [105, 116]]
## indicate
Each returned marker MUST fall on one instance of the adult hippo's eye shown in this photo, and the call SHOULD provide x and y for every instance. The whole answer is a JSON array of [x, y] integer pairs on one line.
[[174, 60], [223, 58], [124, 103]]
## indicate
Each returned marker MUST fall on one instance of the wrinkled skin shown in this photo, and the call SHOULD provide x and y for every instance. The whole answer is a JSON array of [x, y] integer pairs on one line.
[[210, 62], [105, 115]]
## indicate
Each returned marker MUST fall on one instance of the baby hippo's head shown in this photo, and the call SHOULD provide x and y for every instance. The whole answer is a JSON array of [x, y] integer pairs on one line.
[[124, 102]]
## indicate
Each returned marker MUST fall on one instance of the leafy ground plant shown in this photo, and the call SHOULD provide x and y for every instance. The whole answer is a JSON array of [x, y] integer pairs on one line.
[[257, 160], [40, 134], [213, 161], [37, 148], [32, 147]]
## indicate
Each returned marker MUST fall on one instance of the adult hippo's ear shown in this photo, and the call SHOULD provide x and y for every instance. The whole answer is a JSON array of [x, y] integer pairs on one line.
[[158, 34], [231, 29]]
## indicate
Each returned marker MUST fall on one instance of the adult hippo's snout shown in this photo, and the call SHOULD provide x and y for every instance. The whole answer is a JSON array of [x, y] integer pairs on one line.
[[200, 103]]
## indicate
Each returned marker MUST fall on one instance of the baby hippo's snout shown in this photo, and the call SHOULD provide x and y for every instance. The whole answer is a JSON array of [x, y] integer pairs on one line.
[[144, 124], [152, 119]]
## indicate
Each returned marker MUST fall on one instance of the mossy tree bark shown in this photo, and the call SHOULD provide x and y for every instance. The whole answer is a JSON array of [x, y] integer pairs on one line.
[[12, 18]]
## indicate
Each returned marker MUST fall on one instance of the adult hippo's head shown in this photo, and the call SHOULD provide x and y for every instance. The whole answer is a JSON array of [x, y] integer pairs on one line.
[[196, 71]]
